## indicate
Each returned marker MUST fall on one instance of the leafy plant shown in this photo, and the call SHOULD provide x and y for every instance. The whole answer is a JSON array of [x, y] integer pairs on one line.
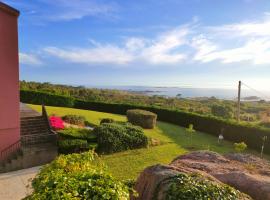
[[106, 120], [56, 123], [72, 145], [77, 176], [240, 147], [115, 137], [74, 119], [196, 187], [77, 133], [190, 130]]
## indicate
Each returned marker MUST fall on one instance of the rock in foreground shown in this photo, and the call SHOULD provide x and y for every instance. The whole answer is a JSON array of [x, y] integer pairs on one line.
[[248, 174]]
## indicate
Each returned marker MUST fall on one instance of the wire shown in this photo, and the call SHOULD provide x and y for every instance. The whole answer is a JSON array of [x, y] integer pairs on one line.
[[263, 95]]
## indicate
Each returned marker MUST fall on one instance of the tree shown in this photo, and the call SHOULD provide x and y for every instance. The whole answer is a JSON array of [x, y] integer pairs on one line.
[[224, 111]]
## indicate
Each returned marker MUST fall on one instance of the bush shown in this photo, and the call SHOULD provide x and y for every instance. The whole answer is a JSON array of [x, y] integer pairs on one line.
[[56, 123], [77, 133], [74, 119], [77, 176], [194, 186], [72, 145], [115, 137], [34, 97], [240, 147], [142, 118], [106, 120], [222, 111], [233, 131]]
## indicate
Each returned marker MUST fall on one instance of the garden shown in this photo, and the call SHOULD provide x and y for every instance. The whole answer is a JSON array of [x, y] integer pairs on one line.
[[165, 142], [112, 150]]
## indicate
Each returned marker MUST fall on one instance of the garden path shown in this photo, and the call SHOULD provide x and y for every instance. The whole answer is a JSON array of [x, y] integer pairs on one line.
[[15, 185]]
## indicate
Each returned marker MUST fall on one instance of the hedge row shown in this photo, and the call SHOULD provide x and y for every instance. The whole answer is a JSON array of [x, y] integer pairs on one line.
[[36, 97], [233, 131]]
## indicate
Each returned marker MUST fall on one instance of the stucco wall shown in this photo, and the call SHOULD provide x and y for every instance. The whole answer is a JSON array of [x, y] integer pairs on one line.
[[9, 78]]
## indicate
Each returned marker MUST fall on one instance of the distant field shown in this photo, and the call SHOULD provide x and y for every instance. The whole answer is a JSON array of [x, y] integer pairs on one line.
[[175, 141]]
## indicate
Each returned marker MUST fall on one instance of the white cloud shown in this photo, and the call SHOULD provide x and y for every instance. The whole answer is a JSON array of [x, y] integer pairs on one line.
[[252, 29], [230, 43], [63, 10], [29, 59], [43, 11], [238, 42], [161, 50], [98, 55], [157, 51], [256, 51]]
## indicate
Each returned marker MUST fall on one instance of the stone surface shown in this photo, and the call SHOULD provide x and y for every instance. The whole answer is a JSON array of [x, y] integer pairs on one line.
[[249, 174], [16, 185]]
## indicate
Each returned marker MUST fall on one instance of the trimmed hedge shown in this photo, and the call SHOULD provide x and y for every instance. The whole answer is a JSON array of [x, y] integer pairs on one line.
[[72, 145], [114, 137], [232, 131], [74, 119], [77, 133], [106, 120], [34, 97], [142, 118]]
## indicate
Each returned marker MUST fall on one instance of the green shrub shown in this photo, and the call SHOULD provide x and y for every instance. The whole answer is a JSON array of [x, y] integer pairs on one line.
[[74, 119], [77, 133], [77, 176], [106, 120], [142, 118], [240, 147], [233, 131], [194, 187], [34, 97], [72, 145], [114, 137]]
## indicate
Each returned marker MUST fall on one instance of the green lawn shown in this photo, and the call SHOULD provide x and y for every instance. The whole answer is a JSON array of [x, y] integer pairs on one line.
[[175, 141]]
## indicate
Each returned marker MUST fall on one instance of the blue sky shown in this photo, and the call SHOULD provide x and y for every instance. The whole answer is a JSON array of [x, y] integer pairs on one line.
[[195, 43]]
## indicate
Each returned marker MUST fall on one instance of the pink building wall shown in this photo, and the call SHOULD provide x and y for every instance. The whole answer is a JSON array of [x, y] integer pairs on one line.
[[9, 77]]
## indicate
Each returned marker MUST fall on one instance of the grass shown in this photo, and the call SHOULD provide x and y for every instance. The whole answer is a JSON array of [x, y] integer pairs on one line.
[[175, 141]]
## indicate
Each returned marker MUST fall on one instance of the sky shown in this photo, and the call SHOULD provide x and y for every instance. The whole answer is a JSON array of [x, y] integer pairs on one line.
[[184, 43]]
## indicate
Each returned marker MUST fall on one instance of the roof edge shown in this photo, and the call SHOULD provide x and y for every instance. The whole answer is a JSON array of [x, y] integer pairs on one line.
[[8, 9]]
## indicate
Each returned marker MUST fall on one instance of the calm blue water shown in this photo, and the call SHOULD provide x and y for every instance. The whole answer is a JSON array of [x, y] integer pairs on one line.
[[188, 92]]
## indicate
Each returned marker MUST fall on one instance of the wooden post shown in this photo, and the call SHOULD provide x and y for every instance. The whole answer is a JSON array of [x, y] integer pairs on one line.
[[238, 102]]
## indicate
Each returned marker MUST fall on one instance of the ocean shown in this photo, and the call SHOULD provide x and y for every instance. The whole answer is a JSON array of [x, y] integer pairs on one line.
[[220, 93]]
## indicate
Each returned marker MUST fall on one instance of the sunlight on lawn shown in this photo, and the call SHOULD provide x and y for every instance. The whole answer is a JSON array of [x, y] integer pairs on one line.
[[174, 141]]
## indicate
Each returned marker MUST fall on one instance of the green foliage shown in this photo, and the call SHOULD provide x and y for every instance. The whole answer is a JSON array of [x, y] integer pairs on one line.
[[114, 137], [72, 145], [240, 147], [74, 119], [142, 118], [107, 120], [35, 97], [190, 130], [77, 176], [196, 187], [222, 111], [77, 133], [76, 140], [233, 131]]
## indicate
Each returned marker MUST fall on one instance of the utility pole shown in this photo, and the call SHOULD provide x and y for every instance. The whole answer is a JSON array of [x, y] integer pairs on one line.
[[238, 102]]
